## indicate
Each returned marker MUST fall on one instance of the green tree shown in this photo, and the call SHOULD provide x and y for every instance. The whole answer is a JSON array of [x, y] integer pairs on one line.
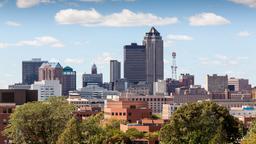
[[39, 122], [203, 123], [250, 137], [71, 134]]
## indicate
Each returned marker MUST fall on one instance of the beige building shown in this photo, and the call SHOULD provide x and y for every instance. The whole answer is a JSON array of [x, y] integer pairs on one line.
[[239, 84], [216, 83]]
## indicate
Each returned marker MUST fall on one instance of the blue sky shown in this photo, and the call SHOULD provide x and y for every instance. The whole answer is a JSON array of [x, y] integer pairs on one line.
[[209, 36]]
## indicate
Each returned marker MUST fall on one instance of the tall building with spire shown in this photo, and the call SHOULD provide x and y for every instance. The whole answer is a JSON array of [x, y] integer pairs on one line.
[[154, 57], [94, 78]]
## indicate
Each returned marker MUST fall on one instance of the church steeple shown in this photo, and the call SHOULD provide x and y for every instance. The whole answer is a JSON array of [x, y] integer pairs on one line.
[[94, 69]]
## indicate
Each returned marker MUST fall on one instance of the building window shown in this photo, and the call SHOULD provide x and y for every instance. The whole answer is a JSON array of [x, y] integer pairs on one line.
[[129, 114], [116, 113], [124, 114], [113, 113], [120, 113]]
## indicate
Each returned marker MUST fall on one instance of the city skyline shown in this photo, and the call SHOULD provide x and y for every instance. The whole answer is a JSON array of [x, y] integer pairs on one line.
[[209, 37]]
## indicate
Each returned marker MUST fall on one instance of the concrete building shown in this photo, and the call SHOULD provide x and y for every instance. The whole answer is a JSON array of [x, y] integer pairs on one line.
[[94, 78], [130, 111], [18, 96], [142, 88], [160, 88], [186, 80], [83, 102], [155, 103], [68, 80], [134, 63], [169, 109], [83, 113], [47, 88], [192, 90], [30, 70], [95, 91], [154, 57], [9, 99], [115, 70], [19, 86], [239, 84], [216, 84], [51, 71], [171, 85], [121, 85]]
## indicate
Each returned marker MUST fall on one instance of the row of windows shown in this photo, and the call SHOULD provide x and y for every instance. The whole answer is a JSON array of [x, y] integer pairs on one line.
[[7, 110], [121, 114], [149, 99]]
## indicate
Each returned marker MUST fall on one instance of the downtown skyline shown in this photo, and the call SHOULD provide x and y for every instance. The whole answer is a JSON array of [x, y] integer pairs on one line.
[[208, 37]]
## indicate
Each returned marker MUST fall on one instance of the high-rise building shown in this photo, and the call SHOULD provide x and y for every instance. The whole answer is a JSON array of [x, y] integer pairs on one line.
[[216, 84], [94, 78], [50, 71], [239, 84], [154, 57], [134, 63], [30, 70], [68, 80], [115, 70]]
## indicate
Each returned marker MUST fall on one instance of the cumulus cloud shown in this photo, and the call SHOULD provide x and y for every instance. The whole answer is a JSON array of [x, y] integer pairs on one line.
[[205, 19], [35, 42], [249, 3], [13, 23], [171, 38], [125, 18], [244, 34], [41, 41], [222, 60], [73, 61], [30, 3], [104, 58]]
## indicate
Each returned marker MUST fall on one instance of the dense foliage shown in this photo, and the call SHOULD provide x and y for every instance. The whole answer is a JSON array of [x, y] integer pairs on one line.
[[39, 122], [250, 138], [202, 122]]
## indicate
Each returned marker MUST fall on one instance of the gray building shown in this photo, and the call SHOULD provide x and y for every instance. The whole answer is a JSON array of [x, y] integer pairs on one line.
[[92, 79], [216, 84], [134, 63], [115, 70], [154, 57], [68, 80], [30, 70], [19, 86]]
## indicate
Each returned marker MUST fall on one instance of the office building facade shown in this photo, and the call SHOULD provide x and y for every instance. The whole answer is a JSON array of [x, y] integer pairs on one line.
[[216, 84], [134, 63], [92, 79], [68, 80], [115, 70], [30, 70], [154, 57]]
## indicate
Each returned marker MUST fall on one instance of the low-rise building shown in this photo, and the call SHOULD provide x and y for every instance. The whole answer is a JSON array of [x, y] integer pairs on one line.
[[130, 111], [86, 111]]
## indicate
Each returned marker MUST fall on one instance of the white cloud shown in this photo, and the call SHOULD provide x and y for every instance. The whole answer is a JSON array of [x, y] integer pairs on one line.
[[205, 19], [35, 42], [13, 23], [30, 3], [250, 3], [3, 45], [244, 34], [104, 58], [125, 18], [74, 61], [171, 38], [222, 60], [42, 41]]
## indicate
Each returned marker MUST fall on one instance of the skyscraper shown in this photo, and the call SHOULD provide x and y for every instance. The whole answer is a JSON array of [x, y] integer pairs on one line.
[[134, 63], [30, 70], [216, 84], [94, 78], [68, 80], [50, 71], [115, 70], [154, 57]]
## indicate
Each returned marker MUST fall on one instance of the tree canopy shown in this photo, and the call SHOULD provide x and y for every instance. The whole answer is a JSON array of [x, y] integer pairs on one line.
[[40, 122], [250, 137], [201, 122]]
